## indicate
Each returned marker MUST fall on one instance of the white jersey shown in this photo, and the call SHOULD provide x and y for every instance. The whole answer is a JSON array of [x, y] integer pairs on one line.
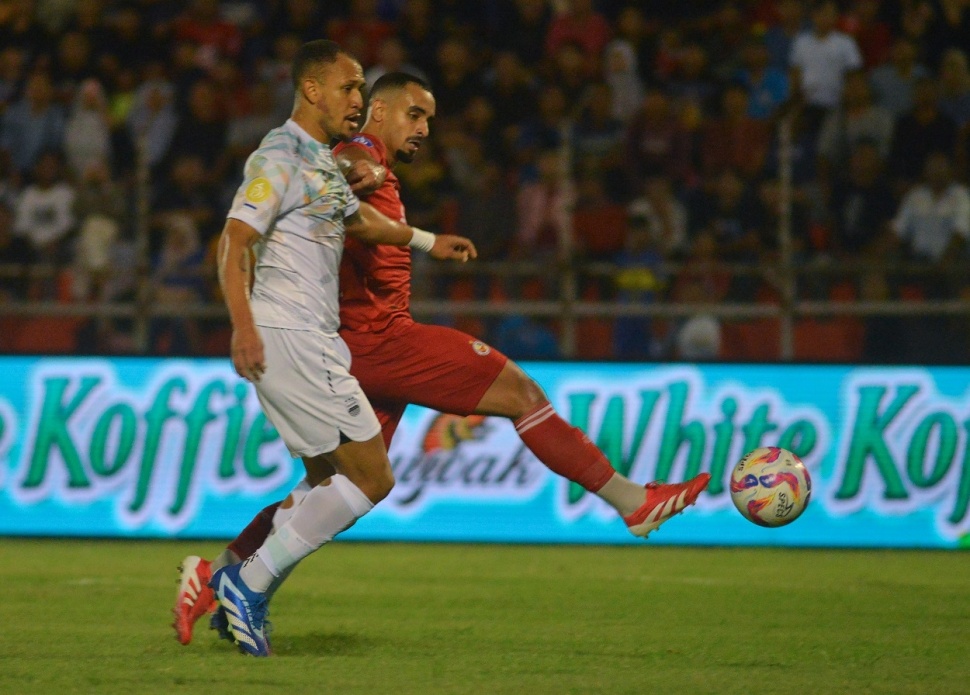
[[823, 63], [295, 196]]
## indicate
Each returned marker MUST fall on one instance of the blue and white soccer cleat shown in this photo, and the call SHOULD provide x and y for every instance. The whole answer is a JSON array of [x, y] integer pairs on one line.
[[220, 623], [245, 610]]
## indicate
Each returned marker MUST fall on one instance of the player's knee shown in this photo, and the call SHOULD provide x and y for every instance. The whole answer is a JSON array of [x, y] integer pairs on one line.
[[528, 396], [385, 482], [378, 484]]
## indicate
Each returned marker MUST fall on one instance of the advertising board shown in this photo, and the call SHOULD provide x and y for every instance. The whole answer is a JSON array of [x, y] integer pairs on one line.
[[134, 447]]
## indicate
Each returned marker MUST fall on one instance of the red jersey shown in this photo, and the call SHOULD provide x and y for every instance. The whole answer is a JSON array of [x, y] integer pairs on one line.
[[375, 281]]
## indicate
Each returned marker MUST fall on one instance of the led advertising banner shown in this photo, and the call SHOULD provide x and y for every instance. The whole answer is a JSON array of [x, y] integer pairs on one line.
[[179, 448]]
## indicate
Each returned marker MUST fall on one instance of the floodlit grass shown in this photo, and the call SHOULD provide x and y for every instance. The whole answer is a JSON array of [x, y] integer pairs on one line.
[[84, 616]]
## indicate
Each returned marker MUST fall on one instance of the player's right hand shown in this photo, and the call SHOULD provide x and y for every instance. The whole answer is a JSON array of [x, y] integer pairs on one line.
[[364, 177], [448, 247], [246, 349]]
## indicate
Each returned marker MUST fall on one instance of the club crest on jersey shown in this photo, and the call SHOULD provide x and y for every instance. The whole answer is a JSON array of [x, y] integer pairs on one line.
[[480, 347], [363, 140], [353, 407], [258, 189]]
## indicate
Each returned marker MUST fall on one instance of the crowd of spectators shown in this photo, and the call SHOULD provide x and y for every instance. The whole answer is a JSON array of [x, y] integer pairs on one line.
[[645, 133]]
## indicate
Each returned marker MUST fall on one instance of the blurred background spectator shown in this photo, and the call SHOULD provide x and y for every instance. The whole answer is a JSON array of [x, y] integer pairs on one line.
[[642, 138], [934, 217], [17, 254], [32, 124], [767, 85], [45, 209], [955, 87], [177, 278], [862, 203], [820, 58], [924, 129], [854, 120], [87, 135], [893, 81]]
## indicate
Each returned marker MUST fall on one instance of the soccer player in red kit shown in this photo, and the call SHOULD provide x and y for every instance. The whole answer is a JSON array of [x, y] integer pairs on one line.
[[399, 361]]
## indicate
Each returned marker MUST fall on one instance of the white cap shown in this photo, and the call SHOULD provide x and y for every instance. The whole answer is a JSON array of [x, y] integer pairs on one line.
[[97, 236], [699, 338]]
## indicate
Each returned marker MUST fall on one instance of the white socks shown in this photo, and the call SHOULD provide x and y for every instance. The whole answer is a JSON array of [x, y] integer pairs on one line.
[[281, 516], [224, 559], [324, 511], [624, 495]]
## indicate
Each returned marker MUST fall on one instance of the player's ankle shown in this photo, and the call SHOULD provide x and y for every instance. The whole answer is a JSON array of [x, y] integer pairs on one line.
[[224, 559]]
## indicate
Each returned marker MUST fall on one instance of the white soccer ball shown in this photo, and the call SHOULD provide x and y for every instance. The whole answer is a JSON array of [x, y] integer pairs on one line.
[[770, 486]]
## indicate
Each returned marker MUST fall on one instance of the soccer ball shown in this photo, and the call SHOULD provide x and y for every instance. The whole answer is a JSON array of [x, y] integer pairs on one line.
[[770, 486]]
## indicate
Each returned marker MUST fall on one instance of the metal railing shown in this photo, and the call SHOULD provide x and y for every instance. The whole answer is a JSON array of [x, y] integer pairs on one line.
[[567, 273], [566, 310]]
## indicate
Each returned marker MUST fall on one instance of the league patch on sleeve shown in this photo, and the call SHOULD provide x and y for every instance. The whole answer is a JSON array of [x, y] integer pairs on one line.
[[363, 140], [258, 190]]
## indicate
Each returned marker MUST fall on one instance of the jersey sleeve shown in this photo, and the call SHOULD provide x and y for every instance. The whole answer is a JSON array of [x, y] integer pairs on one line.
[[360, 142], [366, 144], [259, 198]]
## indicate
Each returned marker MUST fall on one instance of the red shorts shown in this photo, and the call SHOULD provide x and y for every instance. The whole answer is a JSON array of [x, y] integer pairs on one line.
[[433, 366]]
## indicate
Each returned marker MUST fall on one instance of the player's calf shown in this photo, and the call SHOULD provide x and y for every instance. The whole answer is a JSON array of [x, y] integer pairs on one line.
[[365, 464]]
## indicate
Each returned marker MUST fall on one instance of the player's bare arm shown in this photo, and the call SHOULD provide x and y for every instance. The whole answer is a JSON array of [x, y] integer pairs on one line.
[[363, 173], [372, 227], [235, 247]]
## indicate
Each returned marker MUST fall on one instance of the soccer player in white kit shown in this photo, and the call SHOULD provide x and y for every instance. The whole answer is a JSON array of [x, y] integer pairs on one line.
[[292, 211]]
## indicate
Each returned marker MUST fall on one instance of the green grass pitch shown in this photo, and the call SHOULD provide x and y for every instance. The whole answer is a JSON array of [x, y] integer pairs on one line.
[[93, 617]]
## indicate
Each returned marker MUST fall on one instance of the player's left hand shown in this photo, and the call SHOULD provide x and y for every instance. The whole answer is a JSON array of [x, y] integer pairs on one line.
[[448, 247], [364, 177]]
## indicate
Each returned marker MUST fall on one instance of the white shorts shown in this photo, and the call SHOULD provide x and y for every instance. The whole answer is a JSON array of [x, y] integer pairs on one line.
[[308, 393]]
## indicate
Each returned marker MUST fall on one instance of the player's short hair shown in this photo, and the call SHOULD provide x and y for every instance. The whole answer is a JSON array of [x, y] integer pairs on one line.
[[312, 56], [396, 80]]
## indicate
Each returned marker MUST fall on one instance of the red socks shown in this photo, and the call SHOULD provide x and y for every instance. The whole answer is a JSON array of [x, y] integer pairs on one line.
[[252, 537], [564, 449]]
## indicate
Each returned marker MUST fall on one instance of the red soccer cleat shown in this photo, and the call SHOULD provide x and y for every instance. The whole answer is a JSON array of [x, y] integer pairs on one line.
[[194, 598], [663, 502]]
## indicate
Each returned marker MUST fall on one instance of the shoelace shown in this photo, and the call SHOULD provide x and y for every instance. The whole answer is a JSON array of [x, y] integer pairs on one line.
[[260, 612]]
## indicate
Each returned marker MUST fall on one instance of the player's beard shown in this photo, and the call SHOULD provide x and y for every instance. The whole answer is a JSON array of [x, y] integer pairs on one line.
[[347, 137], [355, 124], [406, 157]]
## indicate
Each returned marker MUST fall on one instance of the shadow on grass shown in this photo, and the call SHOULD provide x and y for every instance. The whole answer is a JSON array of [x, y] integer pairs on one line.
[[323, 644]]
